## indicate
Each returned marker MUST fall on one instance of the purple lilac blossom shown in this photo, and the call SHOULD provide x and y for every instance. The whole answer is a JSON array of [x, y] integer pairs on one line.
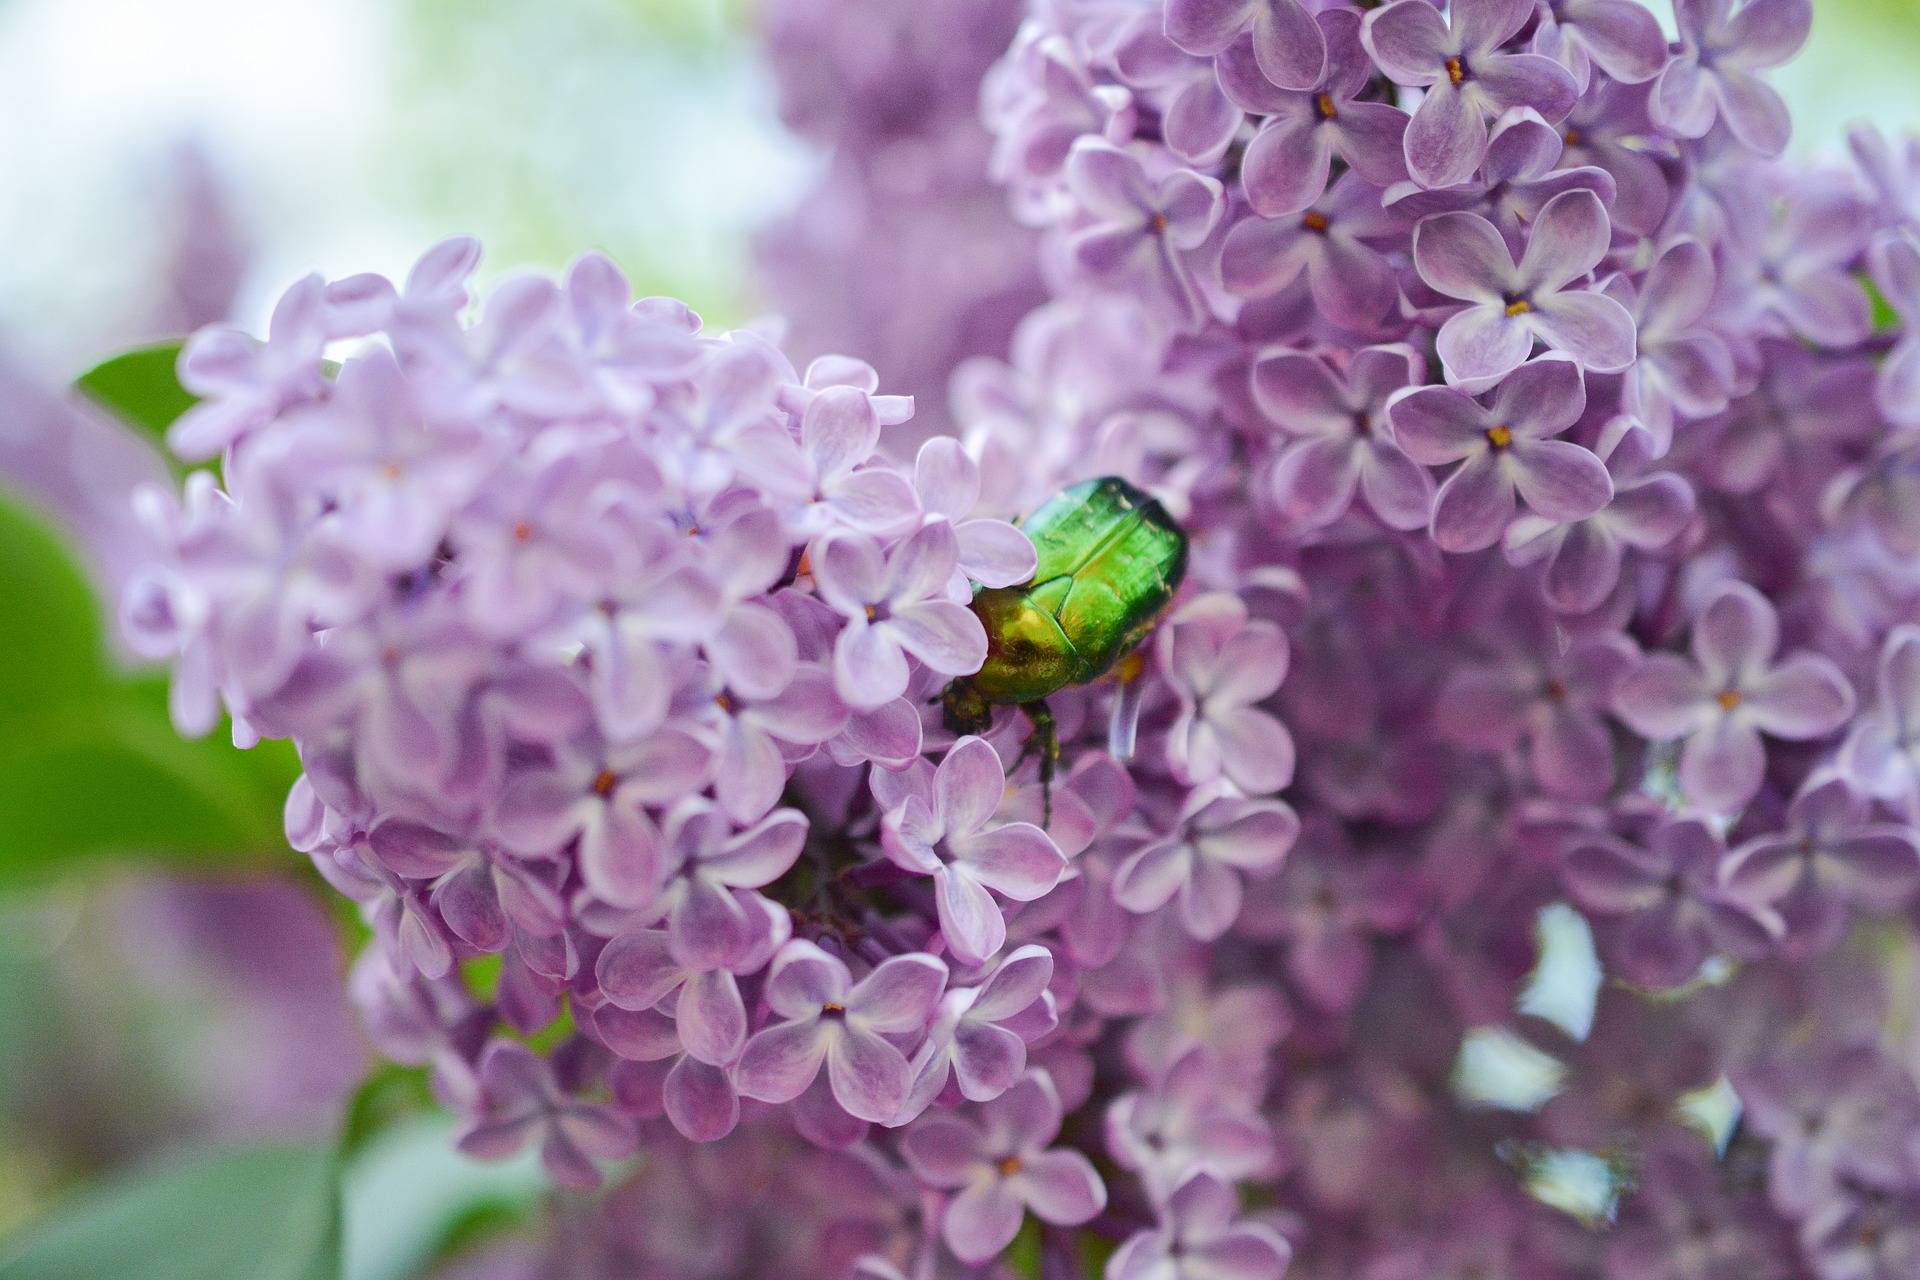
[[1674, 709], [1343, 441], [1002, 1168], [1723, 43], [1512, 305], [1730, 692], [1503, 446], [1469, 78], [1664, 905], [1467, 720], [1288, 161]]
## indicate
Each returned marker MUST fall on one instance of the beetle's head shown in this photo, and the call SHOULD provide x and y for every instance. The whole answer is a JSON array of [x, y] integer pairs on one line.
[[964, 709]]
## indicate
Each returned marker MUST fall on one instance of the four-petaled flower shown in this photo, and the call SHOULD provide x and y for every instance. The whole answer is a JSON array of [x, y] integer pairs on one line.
[[1001, 1166], [828, 1018], [1288, 45], [1220, 837], [971, 1042], [1829, 861], [1332, 244], [1222, 666], [1583, 558], [1463, 256], [1142, 228], [1722, 44], [1666, 902], [1728, 695], [1343, 442], [1467, 78], [992, 553], [895, 605], [940, 826], [1285, 167], [1201, 1236], [522, 1102], [1505, 446]]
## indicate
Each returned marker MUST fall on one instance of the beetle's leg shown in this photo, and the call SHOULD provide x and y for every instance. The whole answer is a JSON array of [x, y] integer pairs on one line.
[[1045, 739]]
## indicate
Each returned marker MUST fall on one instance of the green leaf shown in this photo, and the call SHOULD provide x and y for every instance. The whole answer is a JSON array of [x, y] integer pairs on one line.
[[140, 387], [1885, 318], [256, 1213], [1022, 1257], [89, 762], [50, 626], [111, 777], [390, 1094]]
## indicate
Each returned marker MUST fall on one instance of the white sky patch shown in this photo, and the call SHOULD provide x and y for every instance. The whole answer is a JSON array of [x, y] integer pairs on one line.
[[1565, 984], [1499, 1069]]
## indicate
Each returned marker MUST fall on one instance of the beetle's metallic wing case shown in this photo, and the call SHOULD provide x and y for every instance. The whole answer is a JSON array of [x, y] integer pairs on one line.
[[1110, 558]]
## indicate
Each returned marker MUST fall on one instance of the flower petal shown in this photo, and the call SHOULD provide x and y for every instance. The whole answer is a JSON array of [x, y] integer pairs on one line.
[[781, 1061], [869, 1077], [1474, 505], [970, 919], [1663, 697], [899, 995], [1061, 1187], [1721, 765], [1559, 480], [1804, 697]]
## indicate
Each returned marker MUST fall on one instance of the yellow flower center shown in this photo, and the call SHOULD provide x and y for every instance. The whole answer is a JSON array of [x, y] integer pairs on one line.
[[1010, 1166], [1519, 307], [1325, 105], [1456, 71], [1314, 220], [1499, 437], [605, 781], [1729, 699]]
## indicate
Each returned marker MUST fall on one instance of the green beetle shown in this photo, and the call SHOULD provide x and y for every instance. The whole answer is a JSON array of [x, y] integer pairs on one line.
[[1110, 558]]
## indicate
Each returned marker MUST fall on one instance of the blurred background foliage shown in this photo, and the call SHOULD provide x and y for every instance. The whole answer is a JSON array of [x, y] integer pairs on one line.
[[178, 1065]]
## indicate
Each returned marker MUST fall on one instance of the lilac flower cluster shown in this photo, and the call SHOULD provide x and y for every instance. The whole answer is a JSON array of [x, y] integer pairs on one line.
[[612, 650], [1564, 436], [1550, 476]]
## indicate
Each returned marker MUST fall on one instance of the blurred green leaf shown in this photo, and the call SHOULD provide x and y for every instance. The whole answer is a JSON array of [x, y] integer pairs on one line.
[[390, 1094], [1885, 318], [1095, 1251], [89, 762], [50, 626], [259, 1213], [1022, 1257], [481, 1221], [140, 387], [110, 776]]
